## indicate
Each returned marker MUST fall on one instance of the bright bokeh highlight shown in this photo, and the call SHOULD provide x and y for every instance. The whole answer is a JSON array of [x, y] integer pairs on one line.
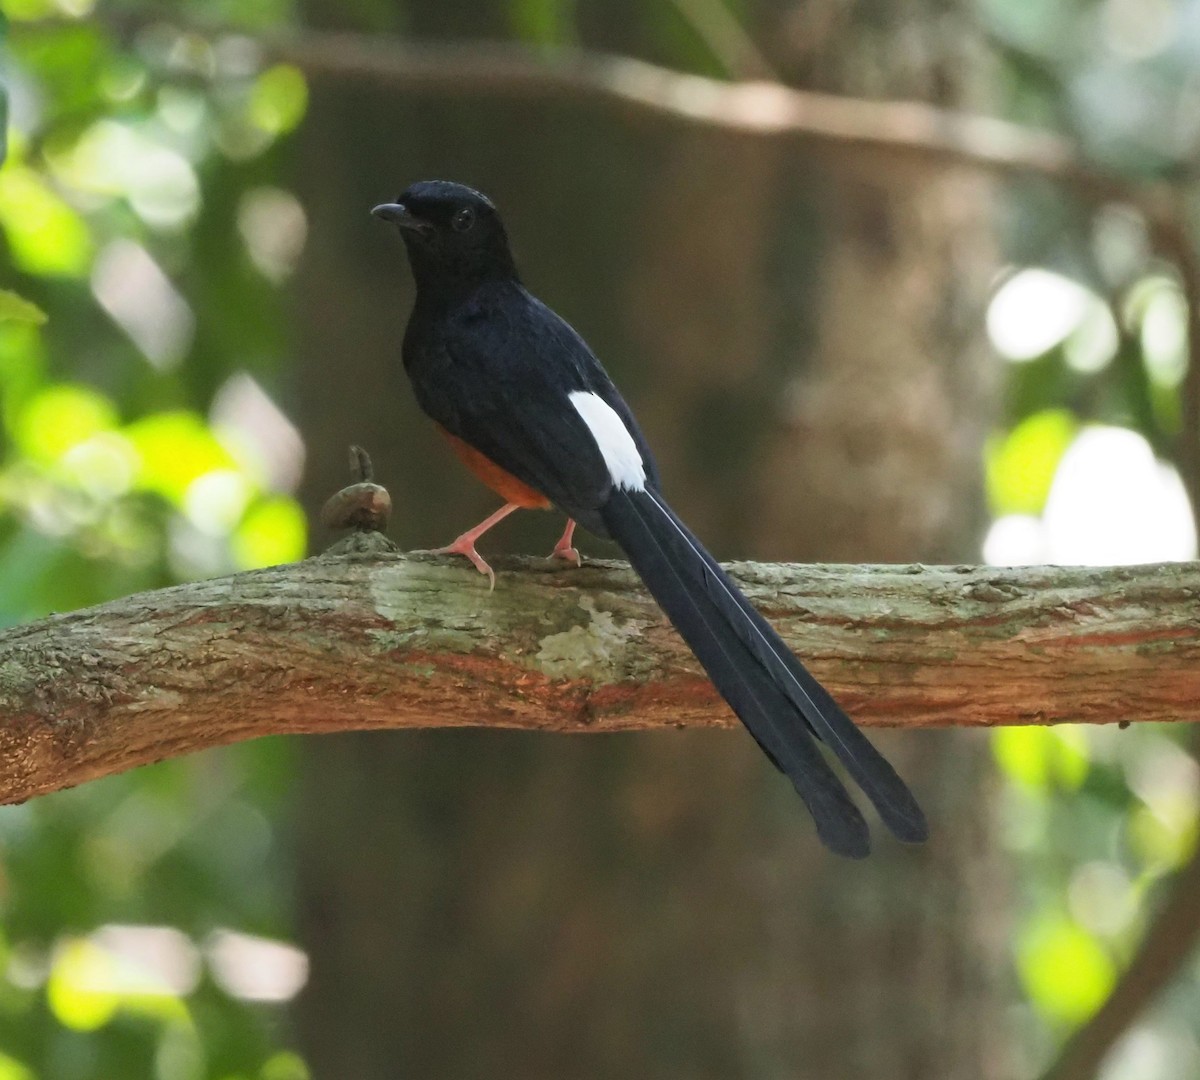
[[1033, 311], [1111, 502]]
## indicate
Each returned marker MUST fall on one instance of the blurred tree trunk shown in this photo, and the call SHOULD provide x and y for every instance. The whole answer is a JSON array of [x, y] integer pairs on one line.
[[801, 337]]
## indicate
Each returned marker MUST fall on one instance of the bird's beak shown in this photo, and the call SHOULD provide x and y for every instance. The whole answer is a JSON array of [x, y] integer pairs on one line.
[[399, 214]]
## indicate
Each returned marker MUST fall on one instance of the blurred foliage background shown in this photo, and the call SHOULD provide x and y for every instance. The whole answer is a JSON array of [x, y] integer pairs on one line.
[[149, 231]]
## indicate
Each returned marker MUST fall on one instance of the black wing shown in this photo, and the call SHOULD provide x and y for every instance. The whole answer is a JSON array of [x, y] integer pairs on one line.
[[501, 381], [595, 379]]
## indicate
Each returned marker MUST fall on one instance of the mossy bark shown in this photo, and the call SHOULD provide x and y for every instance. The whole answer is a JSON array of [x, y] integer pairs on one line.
[[338, 644]]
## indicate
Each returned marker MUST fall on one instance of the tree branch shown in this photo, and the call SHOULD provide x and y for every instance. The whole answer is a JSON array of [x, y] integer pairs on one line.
[[341, 643], [903, 132]]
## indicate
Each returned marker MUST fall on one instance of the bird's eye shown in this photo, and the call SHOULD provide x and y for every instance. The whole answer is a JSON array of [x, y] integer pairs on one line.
[[464, 219]]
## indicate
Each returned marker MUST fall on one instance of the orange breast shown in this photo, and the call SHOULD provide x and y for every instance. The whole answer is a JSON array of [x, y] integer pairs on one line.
[[502, 482]]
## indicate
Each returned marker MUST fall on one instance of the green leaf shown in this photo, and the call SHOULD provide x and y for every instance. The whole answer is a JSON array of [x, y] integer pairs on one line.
[[1065, 971], [543, 22], [1162, 840], [12, 1069], [1071, 756], [1021, 465], [78, 989], [1039, 758], [46, 236], [175, 448], [22, 366], [59, 418], [1021, 754], [273, 532], [15, 308], [3, 100], [283, 1065], [279, 99], [28, 10]]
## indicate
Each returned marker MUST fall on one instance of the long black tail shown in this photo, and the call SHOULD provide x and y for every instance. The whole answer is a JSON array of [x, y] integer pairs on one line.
[[780, 703]]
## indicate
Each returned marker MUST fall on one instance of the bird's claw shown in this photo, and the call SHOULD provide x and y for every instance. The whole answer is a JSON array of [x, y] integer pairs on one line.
[[567, 554], [465, 545], [564, 549]]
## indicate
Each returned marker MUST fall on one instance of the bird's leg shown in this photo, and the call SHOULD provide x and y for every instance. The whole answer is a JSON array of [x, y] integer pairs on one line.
[[563, 549], [465, 544]]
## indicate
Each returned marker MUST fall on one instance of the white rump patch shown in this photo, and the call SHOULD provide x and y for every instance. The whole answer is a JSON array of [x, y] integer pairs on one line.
[[620, 452]]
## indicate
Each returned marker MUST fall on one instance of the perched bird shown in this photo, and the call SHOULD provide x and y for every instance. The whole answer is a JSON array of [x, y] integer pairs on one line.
[[527, 407]]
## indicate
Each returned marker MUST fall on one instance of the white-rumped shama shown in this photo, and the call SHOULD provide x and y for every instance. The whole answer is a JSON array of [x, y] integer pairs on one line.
[[528, 408]]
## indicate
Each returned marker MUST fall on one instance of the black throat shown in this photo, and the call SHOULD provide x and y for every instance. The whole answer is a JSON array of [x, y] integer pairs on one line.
[[446, 276]]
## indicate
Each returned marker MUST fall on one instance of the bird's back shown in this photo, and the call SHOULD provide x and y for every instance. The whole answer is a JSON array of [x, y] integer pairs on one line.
[[478, 359]]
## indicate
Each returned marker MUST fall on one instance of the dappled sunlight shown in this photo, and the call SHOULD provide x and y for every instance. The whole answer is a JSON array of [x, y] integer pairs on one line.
[[1113, 502], [1064, 490], [1139, 29], [1066, 972], [1033, 311], [45, 235], [1036, 310], [152, 959], [83, 475], [1103, 496], [1016, 540], [116, 160], [1159, 306], [258, 433], [1162, 1049], [273, 225], [127, 966], [168, 246], [1102, 898], [256, 968], [161, 491], [141, 299]]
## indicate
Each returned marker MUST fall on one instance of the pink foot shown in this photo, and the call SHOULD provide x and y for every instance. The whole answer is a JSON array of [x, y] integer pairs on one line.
[[563, 549], [465, 545], [567, 554]]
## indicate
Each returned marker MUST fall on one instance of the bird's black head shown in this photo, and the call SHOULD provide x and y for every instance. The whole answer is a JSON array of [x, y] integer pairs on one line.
[[453, 234]]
